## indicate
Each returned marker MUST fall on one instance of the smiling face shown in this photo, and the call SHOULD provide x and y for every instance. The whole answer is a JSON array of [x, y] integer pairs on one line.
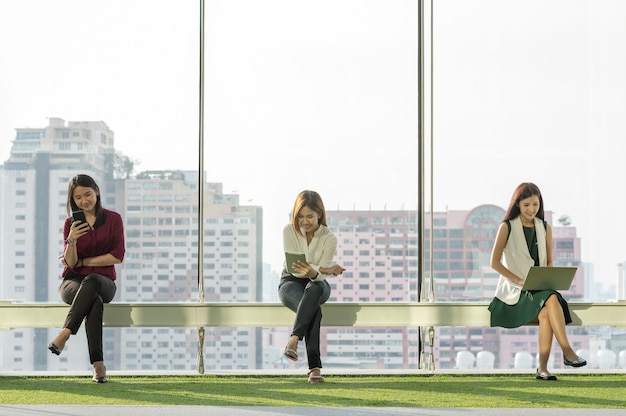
[[528, 208], [308, 219], [85, 199]]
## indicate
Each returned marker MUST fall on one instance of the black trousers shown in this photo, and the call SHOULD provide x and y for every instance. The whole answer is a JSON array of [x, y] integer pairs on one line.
[[86, 296], [305, 298]]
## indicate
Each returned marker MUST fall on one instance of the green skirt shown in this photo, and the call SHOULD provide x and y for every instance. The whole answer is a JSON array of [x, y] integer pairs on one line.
[[526, 309]]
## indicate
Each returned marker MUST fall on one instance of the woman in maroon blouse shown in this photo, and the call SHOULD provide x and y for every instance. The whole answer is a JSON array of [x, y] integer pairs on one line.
[[91, 251]]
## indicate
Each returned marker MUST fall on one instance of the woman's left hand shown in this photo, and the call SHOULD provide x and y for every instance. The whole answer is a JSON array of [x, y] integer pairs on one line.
[[335, 270]]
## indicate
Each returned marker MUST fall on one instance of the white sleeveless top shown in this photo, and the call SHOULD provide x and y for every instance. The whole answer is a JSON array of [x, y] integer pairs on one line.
[[518, 260]]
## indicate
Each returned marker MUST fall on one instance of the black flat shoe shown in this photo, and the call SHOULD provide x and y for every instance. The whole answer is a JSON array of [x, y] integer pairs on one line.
[[545, 376], [577, 362], [54, 349]]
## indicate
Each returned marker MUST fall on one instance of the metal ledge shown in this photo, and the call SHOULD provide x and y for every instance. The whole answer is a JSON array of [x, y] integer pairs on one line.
[[52, 315]]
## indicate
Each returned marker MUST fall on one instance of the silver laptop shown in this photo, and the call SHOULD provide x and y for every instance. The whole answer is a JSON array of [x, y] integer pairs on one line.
[[556, 278]]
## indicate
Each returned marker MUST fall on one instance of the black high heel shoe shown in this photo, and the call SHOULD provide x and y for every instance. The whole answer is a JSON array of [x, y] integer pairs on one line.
[[54, 349]]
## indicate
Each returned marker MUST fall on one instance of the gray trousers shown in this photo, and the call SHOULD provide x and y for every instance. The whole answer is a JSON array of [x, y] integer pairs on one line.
[[86, 297], [305, 298]]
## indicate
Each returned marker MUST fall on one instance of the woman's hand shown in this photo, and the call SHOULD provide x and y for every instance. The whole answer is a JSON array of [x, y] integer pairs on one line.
[[517, 281], [79, 263], [77, 230], [334, 270], [70, 255], [302, 267]]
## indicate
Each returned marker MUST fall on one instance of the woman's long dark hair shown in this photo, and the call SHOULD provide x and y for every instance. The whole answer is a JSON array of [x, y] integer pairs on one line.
[[523, 191], [87, 182], [312, 200]]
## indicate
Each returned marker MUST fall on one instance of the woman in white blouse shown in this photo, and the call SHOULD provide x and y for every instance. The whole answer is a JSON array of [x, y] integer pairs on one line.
[[305, 290]]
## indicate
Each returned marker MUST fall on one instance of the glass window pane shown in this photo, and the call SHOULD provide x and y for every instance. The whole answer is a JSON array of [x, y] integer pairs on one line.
[[524, 94], [108, 88]]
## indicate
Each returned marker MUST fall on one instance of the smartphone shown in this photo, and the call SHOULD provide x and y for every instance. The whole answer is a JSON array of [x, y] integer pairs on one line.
[[79, 216]]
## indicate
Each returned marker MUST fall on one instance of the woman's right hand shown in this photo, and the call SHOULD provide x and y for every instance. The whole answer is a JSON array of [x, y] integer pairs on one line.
[[77, 230], [518, 281]]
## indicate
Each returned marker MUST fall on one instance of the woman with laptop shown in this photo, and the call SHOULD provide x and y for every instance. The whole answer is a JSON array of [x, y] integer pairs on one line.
[[525, 240]]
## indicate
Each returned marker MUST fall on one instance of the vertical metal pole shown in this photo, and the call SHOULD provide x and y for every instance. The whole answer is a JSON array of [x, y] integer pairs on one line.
[[201, 162], [431, 297], [420, 170], [201, 350], [431, 340], [420, 145], [422, 349], [201, 187], [426, 291]]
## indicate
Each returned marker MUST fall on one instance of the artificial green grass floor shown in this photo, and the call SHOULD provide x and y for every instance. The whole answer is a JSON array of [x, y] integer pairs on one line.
[[428, 391]]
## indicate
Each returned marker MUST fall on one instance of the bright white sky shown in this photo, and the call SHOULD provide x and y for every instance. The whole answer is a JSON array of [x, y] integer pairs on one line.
[[322, 95]]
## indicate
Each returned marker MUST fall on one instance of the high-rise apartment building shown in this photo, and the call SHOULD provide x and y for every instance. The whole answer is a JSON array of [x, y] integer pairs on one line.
[[161, 220], [379, 251]]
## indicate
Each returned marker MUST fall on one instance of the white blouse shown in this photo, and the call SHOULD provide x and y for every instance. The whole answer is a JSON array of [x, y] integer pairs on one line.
[[319, 253]]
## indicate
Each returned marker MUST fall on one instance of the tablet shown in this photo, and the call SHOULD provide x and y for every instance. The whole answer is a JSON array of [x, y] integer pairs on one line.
[[543, 278], [292, 257]]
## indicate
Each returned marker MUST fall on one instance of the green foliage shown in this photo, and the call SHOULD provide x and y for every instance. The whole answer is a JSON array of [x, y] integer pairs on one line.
[[428, 391], [118, 166]]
